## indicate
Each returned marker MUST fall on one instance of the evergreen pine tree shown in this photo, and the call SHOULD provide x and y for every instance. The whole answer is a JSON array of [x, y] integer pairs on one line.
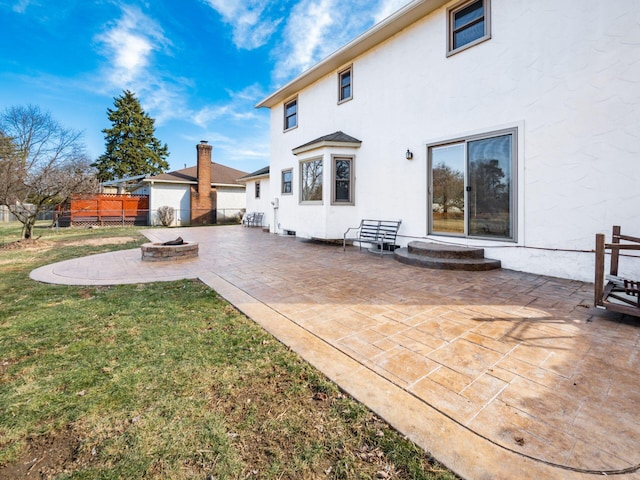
[[131, 146]]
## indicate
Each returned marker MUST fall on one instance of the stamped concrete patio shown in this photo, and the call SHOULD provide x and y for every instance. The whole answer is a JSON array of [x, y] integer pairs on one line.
[[500, 374]]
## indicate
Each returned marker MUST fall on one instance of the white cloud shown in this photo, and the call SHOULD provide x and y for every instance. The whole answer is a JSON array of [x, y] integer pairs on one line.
[[239, 108], [312, 29], [166, 100], [21, 6], [238, 132], [129, 44], [388, 7], [315, 29], [306, 36], [250, 20], [229, 150]]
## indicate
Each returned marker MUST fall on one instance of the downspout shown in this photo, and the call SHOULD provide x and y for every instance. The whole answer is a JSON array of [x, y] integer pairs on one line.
[[276, 204], [150, 212]]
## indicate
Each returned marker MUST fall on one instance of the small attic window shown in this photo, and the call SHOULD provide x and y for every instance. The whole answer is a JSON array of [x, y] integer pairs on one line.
[[345, 89], [469, 25], [291, 114]]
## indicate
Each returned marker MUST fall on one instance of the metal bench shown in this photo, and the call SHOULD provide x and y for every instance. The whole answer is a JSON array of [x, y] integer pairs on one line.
[[381, 234]]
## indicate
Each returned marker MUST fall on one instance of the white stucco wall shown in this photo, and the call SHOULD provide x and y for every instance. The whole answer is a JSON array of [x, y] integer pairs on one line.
[[176, 196], [230, 201], [262, 204], [567, 78]]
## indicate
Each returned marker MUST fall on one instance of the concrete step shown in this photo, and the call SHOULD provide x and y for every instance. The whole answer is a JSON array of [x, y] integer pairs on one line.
[[437, 250], [445, 257]]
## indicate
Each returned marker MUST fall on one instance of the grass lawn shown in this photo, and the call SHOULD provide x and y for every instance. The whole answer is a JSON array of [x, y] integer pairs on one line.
[[167, 381]]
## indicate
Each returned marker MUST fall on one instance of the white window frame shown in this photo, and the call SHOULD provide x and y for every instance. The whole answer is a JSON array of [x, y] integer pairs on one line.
[[451, 13]]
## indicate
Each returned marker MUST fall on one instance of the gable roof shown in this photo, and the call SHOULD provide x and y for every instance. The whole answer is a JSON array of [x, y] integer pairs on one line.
[[263, 172], [220, 175], [398, 21], [336, 139]]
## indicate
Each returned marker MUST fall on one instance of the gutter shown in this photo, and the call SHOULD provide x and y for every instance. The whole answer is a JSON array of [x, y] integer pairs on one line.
[[255, 177], [182, 182]]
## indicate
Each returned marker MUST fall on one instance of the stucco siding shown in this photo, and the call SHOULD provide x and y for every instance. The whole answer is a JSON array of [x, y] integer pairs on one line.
[[176, 196], [263, 203], [230, 202], [565, 76]]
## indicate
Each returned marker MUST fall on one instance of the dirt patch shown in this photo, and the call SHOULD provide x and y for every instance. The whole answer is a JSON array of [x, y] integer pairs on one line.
[[30, 244], [37, 244], [101, 241], [45, 457]]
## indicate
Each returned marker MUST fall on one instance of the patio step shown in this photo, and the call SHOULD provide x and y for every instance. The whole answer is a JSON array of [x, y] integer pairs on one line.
[[445, 257]]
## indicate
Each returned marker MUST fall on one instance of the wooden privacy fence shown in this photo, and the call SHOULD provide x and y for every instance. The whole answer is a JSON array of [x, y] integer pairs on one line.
[[105, 209]]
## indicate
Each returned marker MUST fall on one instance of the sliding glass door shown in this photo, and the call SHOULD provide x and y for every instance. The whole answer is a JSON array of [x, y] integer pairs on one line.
[[447, 174], [472, 186]]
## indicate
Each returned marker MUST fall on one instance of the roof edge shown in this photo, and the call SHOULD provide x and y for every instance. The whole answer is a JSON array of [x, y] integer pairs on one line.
[[117, 181], [233, 185], [249, 178], [324, 144], [182, 182], [381, 31], [191, 182]]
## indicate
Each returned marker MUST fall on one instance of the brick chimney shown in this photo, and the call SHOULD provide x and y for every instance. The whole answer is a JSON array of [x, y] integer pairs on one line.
[[203, 197]]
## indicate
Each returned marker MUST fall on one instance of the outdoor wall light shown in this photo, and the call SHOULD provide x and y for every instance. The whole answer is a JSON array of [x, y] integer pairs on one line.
[[409, 154]]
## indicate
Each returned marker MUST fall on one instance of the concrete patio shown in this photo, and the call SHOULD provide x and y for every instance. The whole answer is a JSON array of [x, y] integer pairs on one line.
[[499, 375]]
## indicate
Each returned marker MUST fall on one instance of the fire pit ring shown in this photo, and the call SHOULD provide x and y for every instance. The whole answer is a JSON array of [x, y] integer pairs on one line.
[[158, 252]]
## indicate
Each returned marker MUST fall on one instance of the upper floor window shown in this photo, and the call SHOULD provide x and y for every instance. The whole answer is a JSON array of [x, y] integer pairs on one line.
[[345, 90], [257, 189], [469, 24], [287, 177], [311, 180], [291, 114]]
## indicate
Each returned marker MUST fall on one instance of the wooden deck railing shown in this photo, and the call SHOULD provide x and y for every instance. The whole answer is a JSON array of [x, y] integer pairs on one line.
[[611, 291]]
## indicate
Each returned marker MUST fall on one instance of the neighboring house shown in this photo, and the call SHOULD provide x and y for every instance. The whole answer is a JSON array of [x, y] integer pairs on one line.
[[508, 124], [205, 194], [259, 194], [122, 186]]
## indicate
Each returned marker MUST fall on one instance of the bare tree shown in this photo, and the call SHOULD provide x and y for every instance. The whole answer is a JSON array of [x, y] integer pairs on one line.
[[448, 187], [41, 164], [312, 180]]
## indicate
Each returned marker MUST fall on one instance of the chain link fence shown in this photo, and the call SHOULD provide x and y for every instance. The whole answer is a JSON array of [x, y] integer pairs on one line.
[[7, 216], [77, 218]]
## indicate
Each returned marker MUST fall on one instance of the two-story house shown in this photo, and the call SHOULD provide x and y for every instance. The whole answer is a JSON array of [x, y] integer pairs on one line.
[[508, 124]]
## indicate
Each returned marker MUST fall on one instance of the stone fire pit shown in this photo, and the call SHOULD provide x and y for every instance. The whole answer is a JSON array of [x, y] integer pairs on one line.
[[168, 251]]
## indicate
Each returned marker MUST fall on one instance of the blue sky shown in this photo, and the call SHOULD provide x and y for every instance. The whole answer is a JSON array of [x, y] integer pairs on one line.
[[197, 66]]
